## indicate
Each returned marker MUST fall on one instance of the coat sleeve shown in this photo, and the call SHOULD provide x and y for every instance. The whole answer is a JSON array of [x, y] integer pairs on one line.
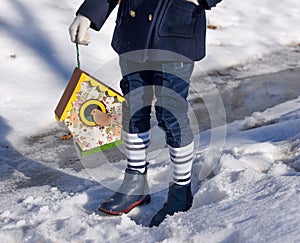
[[208, 4], [97, 11]]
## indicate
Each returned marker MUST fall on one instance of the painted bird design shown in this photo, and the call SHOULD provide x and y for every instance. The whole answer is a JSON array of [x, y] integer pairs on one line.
[[100, 118]]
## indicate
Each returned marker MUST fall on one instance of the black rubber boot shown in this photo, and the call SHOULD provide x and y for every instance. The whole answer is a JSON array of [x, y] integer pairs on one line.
[[134, 191], [180, 199]]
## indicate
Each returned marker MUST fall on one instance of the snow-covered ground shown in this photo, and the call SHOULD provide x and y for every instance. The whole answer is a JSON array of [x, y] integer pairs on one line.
[[48, 196]]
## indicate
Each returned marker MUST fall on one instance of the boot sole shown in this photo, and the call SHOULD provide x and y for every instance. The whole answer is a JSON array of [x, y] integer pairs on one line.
[[141, 202]]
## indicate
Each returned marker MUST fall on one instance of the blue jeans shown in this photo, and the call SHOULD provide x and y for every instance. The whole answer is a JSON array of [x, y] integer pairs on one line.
[[164, 84]]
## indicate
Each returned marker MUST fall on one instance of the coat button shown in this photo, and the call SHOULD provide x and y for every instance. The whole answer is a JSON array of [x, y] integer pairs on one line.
[[132, 13], [150, 17]]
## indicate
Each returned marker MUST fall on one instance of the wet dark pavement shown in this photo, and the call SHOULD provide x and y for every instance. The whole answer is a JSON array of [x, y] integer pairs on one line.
[[251, 94]]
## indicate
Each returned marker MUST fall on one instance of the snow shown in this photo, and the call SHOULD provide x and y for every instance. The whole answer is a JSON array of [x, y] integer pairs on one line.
[[48, 195]]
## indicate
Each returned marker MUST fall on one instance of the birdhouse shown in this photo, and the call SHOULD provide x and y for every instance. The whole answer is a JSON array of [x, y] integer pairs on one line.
[[92, 112]]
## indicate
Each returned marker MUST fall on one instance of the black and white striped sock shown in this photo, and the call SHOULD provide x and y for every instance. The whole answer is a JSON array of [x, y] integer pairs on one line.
[[136, 150], [182, 160]]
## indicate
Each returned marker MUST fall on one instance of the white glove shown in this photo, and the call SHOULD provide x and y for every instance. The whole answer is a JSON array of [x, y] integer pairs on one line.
[[78, 30]]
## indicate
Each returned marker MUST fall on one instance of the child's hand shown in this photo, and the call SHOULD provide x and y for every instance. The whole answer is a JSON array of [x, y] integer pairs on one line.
[[79, 30]]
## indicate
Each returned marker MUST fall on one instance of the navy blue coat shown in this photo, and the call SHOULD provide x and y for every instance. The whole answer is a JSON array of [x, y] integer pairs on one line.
[[176, 26]]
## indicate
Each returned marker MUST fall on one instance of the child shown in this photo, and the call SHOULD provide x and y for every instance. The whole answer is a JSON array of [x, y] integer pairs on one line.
[[158, 42]]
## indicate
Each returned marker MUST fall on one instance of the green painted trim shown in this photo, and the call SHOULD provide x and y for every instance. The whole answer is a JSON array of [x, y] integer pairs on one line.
[[100, 148]]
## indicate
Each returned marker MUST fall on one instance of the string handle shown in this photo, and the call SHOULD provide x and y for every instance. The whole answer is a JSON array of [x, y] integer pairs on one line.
[[78, 55]]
